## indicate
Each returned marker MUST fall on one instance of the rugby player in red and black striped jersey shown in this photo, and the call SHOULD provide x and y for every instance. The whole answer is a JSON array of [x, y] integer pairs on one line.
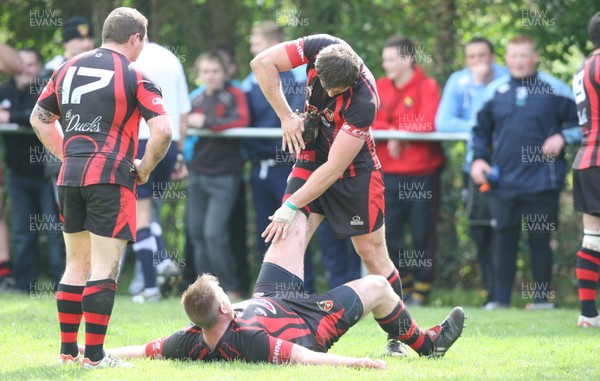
[[586, 178], [282, 323], [338, 175], [88, 116]]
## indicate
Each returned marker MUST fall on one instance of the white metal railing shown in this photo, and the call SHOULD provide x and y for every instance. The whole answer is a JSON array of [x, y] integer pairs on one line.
[[256, 132]]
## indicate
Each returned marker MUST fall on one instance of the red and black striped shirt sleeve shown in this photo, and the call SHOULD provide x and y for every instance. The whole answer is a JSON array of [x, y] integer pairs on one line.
[[305, 49], [149, 98], [48, 100]]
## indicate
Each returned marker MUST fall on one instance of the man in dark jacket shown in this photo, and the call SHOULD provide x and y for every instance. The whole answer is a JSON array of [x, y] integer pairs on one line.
[[33, 205], [521, 130]]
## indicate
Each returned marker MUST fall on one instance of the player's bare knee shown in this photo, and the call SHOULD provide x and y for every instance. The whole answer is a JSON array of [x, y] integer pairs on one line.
[[376, 283], [591, 239]]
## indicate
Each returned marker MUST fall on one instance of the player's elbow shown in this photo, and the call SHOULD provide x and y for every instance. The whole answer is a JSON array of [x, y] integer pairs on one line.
[[161, 128], [301, 355], [261, 61], [165, 134], [256, 62], [35, 123]]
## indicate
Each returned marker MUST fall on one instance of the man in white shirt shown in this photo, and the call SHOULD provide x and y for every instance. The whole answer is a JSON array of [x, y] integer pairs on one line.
[[164, 69]]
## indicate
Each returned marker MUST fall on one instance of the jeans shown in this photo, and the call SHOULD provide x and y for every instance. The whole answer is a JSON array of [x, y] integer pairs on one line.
[[211, 199], [34, 211]]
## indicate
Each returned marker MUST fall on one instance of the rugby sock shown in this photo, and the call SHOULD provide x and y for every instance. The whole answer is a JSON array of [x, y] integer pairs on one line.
[[68, 304], [400, 325], [97, 302], [144, 250], [394, 281], [588, 264], [5, 268], [161, 247], [408, 284], [421, 291]]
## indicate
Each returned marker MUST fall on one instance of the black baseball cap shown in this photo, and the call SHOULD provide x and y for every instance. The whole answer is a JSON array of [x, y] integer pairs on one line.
[[77, 27]]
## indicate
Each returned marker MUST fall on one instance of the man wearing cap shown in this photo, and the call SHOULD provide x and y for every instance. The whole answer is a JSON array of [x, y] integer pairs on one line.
[[78, 37]]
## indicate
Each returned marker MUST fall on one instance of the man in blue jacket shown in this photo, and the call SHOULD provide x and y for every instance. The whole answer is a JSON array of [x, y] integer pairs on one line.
[[525, 121], [457, 111]]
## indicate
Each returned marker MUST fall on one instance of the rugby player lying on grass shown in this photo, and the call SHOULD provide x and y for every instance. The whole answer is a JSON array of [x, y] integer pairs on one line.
[[283, 324]]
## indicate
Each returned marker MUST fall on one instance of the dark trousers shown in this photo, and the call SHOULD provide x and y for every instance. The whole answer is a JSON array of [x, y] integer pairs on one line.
[[413, 201], [536, 214], [479, 216], [34, 212]]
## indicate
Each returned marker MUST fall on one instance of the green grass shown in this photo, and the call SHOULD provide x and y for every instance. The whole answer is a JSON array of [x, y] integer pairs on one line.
[[499, 345]]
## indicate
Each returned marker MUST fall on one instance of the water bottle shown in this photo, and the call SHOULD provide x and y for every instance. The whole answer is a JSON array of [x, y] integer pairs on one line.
[[492, 177]]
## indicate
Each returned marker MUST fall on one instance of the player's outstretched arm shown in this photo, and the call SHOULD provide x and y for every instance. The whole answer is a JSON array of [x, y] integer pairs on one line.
[[48, 130], [130, 352], [344, 149], [301, 355]]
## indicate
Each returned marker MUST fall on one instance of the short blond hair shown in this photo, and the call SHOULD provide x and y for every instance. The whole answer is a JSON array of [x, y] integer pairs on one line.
[[522, 40], [121, 23], [201, 301]]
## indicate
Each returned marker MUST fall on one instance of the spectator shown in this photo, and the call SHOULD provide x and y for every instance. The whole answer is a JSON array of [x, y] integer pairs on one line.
[[10, 63], [411, 169], [586, 178], [271, 166], [33, 210], [525, 121], [456, 113], [165, 70], [215, 172], [78, 37], [237, 219]]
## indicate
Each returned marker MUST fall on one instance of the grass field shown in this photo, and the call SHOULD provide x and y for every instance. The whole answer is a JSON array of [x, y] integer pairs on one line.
[[498, 345]]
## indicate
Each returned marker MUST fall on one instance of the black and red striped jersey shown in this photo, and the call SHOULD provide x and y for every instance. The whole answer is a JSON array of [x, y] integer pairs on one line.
[[353, 111], [100, 98], [586, 87], [264, 330]]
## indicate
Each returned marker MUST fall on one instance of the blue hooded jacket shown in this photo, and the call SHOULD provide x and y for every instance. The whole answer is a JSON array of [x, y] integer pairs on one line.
[[516, 117]]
